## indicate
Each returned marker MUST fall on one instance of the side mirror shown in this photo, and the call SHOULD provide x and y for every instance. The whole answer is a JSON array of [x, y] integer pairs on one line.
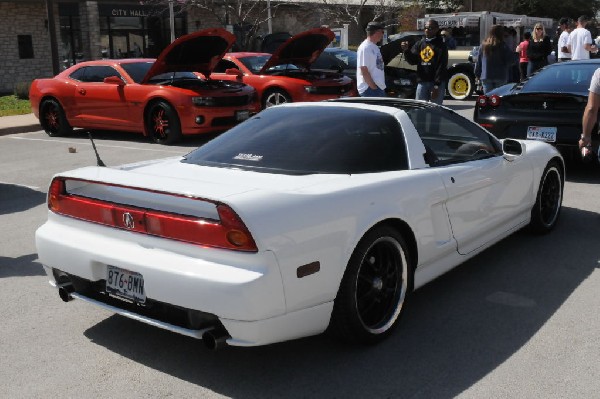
[[512, 149], [234, 71], [114, 80]]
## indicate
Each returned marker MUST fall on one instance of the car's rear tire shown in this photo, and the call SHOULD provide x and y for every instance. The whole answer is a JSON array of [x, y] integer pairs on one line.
[[163, 123], [545, 211], [374, 288], [460, 85], [53, 119], [274, 97]]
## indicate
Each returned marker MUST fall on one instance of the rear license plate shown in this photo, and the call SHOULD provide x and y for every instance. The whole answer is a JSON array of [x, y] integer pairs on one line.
[[125, 283], [541, 133], [242, 115]]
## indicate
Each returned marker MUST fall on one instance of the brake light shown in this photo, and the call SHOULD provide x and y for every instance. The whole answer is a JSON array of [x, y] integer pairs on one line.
[[229, 232], [493, 101]]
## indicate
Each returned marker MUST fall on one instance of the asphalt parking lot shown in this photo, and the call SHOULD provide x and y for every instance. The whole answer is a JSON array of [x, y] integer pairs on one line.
[[517, 321]]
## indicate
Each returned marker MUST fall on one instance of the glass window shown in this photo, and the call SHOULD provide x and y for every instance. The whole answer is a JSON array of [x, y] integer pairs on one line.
[[449, 138], [78, 74], [137, 70], [255, 64], [224, 65], [567, 77], [309, 139], [25, 46], [98, 73]]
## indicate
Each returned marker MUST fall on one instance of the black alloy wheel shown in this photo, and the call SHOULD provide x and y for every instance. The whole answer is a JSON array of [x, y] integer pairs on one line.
[[53, 119], [546, 210], [374, 288], [163, 123]]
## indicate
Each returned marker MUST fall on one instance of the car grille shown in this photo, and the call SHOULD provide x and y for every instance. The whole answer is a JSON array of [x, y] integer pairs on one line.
[[335, 90], [224, 121], [232, 101]]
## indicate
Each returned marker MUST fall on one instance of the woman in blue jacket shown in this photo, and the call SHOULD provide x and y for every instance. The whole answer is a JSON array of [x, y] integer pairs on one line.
[[495, 60]]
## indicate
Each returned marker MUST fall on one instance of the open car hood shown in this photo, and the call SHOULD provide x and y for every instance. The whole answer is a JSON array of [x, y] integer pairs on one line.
[[197, 52], [302, 49]]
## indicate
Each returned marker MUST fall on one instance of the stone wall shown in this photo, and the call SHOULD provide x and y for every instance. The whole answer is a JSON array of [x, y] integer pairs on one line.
[[23, 19]]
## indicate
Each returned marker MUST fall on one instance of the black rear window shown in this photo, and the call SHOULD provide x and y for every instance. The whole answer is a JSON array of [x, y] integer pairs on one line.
[[307, 140], [568, 77]]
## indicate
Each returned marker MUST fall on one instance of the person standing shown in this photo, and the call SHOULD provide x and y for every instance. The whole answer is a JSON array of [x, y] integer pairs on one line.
[[370, 76], [523, 60], [495, 60], [590, 116], [563, 53], [538, 49], [448, 39], [430, 54], [580, 41]]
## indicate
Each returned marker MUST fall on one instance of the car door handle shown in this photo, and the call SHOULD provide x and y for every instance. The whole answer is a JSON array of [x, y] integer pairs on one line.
[[82, 92]]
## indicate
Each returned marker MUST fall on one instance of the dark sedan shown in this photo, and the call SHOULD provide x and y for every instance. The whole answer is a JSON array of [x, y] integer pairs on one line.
[[547, 107]]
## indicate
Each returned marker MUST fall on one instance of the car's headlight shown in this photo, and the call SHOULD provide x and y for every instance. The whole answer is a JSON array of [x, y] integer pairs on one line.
[[204, 101], [402, 82], [310, 89]]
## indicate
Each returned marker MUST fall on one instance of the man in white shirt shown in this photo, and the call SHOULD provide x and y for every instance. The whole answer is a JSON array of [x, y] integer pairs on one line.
[[590, 115], [563, 40], [370, 76], [580, 41]]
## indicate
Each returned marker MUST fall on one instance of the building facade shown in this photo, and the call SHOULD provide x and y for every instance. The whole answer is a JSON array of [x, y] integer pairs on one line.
[[88, 30]]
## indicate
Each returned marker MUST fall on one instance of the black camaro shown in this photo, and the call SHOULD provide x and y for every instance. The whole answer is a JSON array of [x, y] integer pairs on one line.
[[548, 106]]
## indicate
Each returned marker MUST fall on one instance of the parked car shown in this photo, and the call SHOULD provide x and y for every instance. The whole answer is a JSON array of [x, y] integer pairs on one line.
[[461, 73], [548, 106], [285, 75], [307, 216], [401, 83], [163, 98]]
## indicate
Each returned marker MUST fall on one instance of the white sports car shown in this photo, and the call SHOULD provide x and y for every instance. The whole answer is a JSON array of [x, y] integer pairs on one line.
[[306, 217]]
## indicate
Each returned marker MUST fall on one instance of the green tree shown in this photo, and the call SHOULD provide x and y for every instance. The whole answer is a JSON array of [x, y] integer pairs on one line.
[[557, 8]]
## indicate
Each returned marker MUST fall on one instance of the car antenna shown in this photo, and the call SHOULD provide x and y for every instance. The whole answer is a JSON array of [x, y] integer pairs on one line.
[[99, 161]]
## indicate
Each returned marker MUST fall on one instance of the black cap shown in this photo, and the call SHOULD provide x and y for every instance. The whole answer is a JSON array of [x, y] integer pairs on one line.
[[374, 26], [564, 21]]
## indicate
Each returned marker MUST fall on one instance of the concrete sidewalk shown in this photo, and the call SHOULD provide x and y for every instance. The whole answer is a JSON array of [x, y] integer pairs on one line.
[[19, 124]]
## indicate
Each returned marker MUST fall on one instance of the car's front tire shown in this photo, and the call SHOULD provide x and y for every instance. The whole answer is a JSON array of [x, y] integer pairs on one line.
[[163, 123], [53, 119], [374, 288], [546, 209], [275, 97]]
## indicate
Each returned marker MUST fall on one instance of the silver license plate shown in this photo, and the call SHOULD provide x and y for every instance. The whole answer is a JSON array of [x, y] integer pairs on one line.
[[125, 283], [542, 133]]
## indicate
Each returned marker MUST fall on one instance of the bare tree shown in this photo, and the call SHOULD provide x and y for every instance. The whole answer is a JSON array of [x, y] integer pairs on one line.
[[356, 11]]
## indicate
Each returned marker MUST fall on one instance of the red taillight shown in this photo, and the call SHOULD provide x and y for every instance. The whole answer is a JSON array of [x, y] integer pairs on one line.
[[493, 101], [229, 232]]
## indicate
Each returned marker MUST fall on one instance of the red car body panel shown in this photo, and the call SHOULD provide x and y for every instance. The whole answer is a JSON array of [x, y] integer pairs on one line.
[[301, 50], [122, 104]]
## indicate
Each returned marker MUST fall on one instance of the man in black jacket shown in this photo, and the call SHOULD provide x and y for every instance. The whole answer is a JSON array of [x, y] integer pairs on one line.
[[430, 54]]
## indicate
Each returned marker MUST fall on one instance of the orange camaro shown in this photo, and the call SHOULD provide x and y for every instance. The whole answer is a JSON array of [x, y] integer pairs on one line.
[[163, 98], [285, 75]]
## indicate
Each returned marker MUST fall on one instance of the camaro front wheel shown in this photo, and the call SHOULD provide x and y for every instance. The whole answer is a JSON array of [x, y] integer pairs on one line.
[[374, 288], [163, 123], [546, 210], [275, 97], [53, 119]]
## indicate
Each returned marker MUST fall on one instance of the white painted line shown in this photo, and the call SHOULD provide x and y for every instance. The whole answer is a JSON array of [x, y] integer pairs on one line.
[[182, 152]]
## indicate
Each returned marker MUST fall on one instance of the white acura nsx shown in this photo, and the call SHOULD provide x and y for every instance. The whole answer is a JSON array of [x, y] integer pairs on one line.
[[305, 218]]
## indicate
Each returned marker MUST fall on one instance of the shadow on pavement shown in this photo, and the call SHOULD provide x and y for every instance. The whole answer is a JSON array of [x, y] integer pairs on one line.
[[22, 266], [101, 135], [16, 198], [455, 330]]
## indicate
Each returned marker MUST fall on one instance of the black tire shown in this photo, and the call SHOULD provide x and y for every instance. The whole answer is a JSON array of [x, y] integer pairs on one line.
[[274, 97], [163, 123], [53, 119], [460, 85], [374, 288], [545, 211]]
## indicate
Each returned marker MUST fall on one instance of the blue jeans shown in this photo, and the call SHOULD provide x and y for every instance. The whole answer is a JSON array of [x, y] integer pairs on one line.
[[491, 84], [373, 93], [424, 92]]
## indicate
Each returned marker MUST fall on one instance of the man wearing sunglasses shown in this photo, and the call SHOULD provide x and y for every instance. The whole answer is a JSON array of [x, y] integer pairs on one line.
[[430, 54]]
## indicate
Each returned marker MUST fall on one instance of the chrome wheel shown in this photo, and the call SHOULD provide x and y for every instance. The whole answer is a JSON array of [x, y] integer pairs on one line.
[[275, 97]]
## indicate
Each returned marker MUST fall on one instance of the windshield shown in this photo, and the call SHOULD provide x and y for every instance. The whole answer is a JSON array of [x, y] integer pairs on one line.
[[255, 64], [137, 70], [346, 56], [569, 77], [309, 139]]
